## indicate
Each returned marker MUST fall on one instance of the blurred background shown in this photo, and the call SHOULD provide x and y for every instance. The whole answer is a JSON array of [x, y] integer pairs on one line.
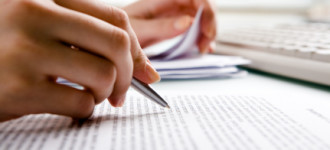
[[245, 13], [284, 37]]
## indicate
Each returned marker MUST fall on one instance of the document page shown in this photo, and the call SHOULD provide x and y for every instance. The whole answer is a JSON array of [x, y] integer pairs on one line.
[[195, 121], [179, 57]]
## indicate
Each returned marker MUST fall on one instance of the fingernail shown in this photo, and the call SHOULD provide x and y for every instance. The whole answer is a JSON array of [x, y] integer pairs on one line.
[[182, 23], [152, 74]]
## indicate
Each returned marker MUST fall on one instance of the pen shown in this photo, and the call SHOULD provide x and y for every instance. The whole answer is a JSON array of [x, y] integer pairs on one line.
[[147, 91]]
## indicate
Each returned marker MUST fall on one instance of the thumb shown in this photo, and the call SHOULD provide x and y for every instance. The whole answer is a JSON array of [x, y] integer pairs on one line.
[[150, 31]]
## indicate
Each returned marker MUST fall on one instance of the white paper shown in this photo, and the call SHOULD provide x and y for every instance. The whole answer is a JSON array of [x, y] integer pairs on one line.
[[200, 61], [181, 53], [197, 71], [216, 73], [201, 66], [179, 46], [195, 121]]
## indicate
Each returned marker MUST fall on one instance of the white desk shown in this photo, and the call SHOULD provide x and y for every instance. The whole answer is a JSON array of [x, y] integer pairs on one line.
[[256, 83]]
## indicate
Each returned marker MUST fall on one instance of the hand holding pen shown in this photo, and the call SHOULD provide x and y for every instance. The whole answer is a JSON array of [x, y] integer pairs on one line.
[[34, 51]]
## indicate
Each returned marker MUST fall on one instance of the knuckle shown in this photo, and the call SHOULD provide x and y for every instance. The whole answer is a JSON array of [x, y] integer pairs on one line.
[[106, 80], [24, 14], [18, 9], [25, 3], [20, 48], [13, 43], [21, 42], [28, 2], [28, 5], [33, 8], [122, 18], [14, 85], [122, 39]]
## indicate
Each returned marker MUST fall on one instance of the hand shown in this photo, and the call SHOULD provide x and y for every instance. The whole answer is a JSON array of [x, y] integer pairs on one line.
[[83, 41], [156, 20]]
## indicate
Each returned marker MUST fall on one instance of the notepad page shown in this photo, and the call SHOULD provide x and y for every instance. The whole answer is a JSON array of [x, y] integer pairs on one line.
[[195, 121]]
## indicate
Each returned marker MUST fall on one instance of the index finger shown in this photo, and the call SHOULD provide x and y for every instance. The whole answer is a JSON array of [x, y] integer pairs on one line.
[[115, 16], [142, 68]]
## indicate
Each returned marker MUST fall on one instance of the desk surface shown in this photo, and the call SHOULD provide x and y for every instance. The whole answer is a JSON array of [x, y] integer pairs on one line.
[[256, 83]]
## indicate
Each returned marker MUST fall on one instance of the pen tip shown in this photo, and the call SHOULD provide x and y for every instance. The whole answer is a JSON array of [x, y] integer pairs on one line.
[[168, 107]]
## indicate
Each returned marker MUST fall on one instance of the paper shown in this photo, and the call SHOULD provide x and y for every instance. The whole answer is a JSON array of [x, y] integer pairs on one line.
[[196, 121], [180, 46], [179, 58], [200, 61], [212, 73]]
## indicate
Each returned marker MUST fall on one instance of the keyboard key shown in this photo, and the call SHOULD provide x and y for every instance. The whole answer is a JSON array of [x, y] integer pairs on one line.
[[323, 46], [289, 50], [325, 40], [322, 56], [257, 44], [305, 52], [299, 51], [274, 48]]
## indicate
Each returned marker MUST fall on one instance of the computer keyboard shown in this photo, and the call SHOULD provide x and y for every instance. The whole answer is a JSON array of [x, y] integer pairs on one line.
[[298, 51]]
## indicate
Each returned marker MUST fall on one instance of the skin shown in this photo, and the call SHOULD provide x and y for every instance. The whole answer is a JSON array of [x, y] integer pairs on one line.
[[156, 20], [86, 42], [83, 41]]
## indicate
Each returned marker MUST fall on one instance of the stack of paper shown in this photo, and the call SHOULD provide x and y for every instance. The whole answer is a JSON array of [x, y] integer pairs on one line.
[[179, 58]]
